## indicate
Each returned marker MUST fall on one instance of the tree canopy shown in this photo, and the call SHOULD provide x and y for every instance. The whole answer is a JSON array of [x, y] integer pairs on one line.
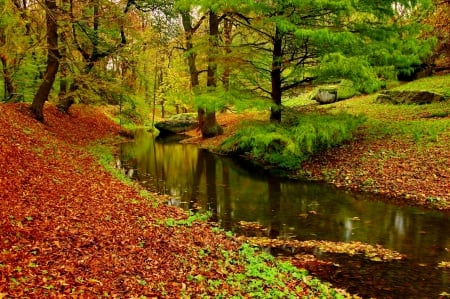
[[206, 55]]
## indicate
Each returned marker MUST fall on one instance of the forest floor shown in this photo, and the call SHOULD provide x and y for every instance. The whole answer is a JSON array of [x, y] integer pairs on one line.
[[70, 228], [402, 152]]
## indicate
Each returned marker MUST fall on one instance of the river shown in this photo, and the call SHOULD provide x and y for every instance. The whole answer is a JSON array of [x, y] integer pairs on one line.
[[235, 191]]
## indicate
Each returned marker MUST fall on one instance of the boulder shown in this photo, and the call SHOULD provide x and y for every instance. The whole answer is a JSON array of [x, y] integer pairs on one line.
[[178, 123], [409, 97], [326, 96]]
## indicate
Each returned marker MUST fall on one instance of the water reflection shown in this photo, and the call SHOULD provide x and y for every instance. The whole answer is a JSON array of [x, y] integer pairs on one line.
[[197, 180]]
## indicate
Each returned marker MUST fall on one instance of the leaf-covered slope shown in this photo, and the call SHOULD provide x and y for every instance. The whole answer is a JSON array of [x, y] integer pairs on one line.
[[68, 228], [66, 225]]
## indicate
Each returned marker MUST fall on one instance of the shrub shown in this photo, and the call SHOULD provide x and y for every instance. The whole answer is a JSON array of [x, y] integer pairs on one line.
[[287, 145]]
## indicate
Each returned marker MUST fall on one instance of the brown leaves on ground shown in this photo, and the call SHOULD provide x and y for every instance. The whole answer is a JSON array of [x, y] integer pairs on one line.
[[374, 253], [68, 228], [400, 170]]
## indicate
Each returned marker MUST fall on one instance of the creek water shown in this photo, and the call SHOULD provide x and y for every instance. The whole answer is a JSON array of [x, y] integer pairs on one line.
[[235, 190]]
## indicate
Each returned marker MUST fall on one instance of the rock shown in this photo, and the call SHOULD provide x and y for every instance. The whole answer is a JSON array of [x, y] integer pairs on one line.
[[326, 96], [409, 97], [178, 123]]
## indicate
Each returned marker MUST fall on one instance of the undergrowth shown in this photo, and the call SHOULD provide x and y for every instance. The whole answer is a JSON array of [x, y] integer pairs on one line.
[[286, 145], [259, 275]]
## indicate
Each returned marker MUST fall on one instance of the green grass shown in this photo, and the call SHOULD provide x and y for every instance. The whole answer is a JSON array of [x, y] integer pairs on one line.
[[307, 132], [287, 145], [439, 84], [345, 90], [420, 123]]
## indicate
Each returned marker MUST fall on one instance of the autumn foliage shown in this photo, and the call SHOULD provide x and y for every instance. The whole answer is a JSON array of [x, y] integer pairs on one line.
[[67, 226]]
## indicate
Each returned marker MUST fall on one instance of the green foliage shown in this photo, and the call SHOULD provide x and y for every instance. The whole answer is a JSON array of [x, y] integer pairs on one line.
[[106, 159], [263, 276], [189, 221], [357, 69], [211, 101], [423, 124], [287, 145], [22, 57]]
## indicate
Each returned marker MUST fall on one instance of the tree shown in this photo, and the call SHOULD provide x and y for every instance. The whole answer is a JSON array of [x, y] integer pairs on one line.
[[37, 106], [6, 18], [206, 113], [301, 42], [207, 116], [96, 31], [20, 48], [439, 20]]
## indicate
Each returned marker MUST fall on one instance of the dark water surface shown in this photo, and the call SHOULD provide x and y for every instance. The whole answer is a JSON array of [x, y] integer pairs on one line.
[[235, 191]]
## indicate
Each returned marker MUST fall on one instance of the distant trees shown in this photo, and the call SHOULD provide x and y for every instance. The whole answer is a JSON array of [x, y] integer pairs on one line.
[[439, 20], [229, 49], [303, 42]]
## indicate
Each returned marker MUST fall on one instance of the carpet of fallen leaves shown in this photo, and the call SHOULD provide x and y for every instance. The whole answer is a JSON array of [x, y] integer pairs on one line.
[[70, 229], [400, 170]]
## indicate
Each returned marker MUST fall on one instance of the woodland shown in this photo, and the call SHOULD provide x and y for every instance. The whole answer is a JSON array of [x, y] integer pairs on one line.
[[76, 74]]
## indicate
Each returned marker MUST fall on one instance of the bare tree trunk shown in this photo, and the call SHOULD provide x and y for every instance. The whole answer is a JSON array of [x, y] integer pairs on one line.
[[37, 106], [275, 75]]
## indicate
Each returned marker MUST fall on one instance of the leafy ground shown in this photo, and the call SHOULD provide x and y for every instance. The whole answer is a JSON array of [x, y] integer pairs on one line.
[[69, 228], [402, 152]]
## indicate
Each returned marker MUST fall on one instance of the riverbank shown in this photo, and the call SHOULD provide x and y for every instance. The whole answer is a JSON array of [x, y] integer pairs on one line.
[[402, 152], [72, 229]]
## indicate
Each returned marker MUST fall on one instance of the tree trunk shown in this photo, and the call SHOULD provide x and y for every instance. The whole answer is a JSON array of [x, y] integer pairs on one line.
[[37, 106], [65, 100], [207, 119], [9, 88], [227, 27], [275, 76], [191, 56], [208, 124]]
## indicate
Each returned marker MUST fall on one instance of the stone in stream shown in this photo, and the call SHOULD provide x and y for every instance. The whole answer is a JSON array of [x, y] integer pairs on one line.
[[177, 124]]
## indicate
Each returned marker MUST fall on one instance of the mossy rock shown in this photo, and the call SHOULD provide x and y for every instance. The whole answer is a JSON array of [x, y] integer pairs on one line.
[[409, 97], [177, 124], [326, 95]]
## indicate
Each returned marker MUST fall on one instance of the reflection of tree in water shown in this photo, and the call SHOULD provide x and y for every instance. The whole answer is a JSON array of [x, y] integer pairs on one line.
[[225, 219], [274, 186], [211, 187], [200, 180]]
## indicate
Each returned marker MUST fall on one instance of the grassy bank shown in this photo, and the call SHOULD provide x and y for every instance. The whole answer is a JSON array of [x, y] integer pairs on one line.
[[402, 150]]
